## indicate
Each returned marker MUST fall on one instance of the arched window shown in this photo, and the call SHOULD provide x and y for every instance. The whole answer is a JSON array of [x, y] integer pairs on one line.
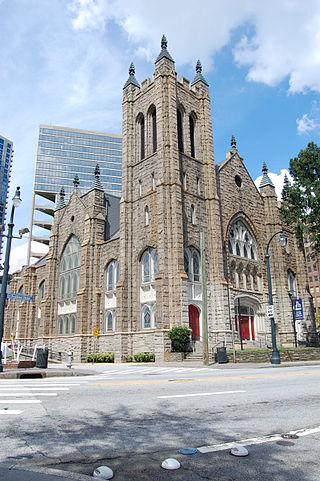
[[192, 215], [146, 215], [148, 265], [141, 135], [192, 130], [241, 241], [69, 278], [180, 130], [292, 286], [111, 276], [110, 317], [154, 130], [148, 316], [73, 323], [192, 265], [40, 297]]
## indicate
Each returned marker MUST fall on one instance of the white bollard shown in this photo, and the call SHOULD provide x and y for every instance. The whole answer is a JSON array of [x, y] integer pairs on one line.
[[70, 358]]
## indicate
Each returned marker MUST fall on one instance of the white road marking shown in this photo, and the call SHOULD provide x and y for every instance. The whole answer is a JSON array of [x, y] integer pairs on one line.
[[3, 389], [10, 411], [28, 394], [37, 384], [258, 440], [20, 401], [199, 394]]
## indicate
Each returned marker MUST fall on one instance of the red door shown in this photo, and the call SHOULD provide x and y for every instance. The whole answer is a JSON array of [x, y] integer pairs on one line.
[[194, 323], [245, 330]]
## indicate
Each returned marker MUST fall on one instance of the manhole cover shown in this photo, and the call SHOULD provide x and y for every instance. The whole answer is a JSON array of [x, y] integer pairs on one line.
[[289, 436], [285, 443]]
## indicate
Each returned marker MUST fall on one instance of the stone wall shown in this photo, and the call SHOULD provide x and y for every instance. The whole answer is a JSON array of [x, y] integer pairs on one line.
[[286, 355]]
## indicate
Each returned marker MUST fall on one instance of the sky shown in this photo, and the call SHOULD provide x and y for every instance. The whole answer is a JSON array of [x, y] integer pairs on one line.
[[64, 62]]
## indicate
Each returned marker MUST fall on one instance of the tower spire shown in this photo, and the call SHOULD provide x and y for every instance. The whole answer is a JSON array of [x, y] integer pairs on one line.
[[265, 178], [164, 52], [97, 182], [132, 79], [199, 77]]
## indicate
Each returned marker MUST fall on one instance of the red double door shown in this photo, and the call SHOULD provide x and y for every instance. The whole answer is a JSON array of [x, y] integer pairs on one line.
[[194, 322], [245, 327]]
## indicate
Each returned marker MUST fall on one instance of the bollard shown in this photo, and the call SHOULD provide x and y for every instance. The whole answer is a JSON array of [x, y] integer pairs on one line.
[[70, 358]]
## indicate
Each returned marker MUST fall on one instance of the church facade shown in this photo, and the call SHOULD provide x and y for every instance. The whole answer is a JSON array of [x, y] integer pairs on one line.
[[132, 268]]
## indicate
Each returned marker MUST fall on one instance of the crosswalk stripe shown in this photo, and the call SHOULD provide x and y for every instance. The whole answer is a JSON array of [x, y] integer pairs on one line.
[[28, 394], [10, 411], [2, 389], [20, 401]]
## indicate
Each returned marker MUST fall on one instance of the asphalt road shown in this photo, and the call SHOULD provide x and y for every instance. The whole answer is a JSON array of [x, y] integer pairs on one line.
[[132, 417]]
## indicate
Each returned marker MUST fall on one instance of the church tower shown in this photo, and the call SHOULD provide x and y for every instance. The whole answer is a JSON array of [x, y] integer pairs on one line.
[[168, 198]]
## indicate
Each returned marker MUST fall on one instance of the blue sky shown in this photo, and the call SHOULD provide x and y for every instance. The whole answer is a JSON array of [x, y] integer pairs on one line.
[[64, 62]]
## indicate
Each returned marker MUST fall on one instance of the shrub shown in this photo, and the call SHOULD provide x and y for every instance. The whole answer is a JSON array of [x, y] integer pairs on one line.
[[100, 357], [180, 338], [128, 358], [144, 357]]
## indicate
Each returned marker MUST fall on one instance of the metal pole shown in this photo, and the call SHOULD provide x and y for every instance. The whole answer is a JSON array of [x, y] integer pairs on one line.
[[275, 357], [204, 300], [5, 280]]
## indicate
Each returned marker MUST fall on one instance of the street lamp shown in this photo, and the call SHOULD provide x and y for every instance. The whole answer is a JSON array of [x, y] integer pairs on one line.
[[16, 201], [275, 358]]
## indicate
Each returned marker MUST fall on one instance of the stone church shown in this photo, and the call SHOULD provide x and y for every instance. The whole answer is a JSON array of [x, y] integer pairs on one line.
[[131, 267]]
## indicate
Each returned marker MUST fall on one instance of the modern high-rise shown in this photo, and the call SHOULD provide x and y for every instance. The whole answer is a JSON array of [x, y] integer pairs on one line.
[[62, 153], [6, 151]]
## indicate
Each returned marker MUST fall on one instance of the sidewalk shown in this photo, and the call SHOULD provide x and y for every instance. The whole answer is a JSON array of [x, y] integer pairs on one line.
[[82, 369]]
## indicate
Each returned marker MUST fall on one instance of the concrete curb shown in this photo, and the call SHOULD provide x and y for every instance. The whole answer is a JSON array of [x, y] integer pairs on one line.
[[45, 473]]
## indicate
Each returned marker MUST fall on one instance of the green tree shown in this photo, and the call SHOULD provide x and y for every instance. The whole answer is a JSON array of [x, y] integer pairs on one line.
[[301, 200]]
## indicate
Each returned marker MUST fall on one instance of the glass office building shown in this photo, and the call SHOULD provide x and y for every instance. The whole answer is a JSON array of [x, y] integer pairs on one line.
[[62, 153], [6, 152]]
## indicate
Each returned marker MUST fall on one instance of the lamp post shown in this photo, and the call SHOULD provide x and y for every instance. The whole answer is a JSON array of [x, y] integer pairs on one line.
[[16, 201], [275, 358]]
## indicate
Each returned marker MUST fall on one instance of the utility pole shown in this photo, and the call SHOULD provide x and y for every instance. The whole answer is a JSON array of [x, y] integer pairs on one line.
[[204, 300]]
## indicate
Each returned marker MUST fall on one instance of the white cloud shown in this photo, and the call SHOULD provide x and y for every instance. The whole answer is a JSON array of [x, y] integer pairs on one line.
[[310, 122], [277, 180], [18, 255], [282, 38]]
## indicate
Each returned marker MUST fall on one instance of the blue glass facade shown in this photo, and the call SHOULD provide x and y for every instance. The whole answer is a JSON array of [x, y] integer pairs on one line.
[[6, 150], [62, 153]]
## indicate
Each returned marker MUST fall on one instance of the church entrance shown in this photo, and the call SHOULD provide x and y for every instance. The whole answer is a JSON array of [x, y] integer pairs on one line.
[[244, 321], [194, 322]]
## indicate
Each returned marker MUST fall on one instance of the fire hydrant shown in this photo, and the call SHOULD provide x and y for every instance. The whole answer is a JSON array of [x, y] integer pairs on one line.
[[70, 358]]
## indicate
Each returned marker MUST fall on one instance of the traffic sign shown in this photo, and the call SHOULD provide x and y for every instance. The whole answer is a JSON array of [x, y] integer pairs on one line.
[[298, 309], [95, 332], [270, 311], [19, 297]]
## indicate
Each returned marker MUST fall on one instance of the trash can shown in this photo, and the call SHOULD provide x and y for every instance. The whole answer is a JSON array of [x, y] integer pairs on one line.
[[42, 358], [222, 355]]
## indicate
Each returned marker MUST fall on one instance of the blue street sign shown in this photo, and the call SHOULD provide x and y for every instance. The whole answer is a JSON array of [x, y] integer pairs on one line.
[[298, 309], [19, 297]]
